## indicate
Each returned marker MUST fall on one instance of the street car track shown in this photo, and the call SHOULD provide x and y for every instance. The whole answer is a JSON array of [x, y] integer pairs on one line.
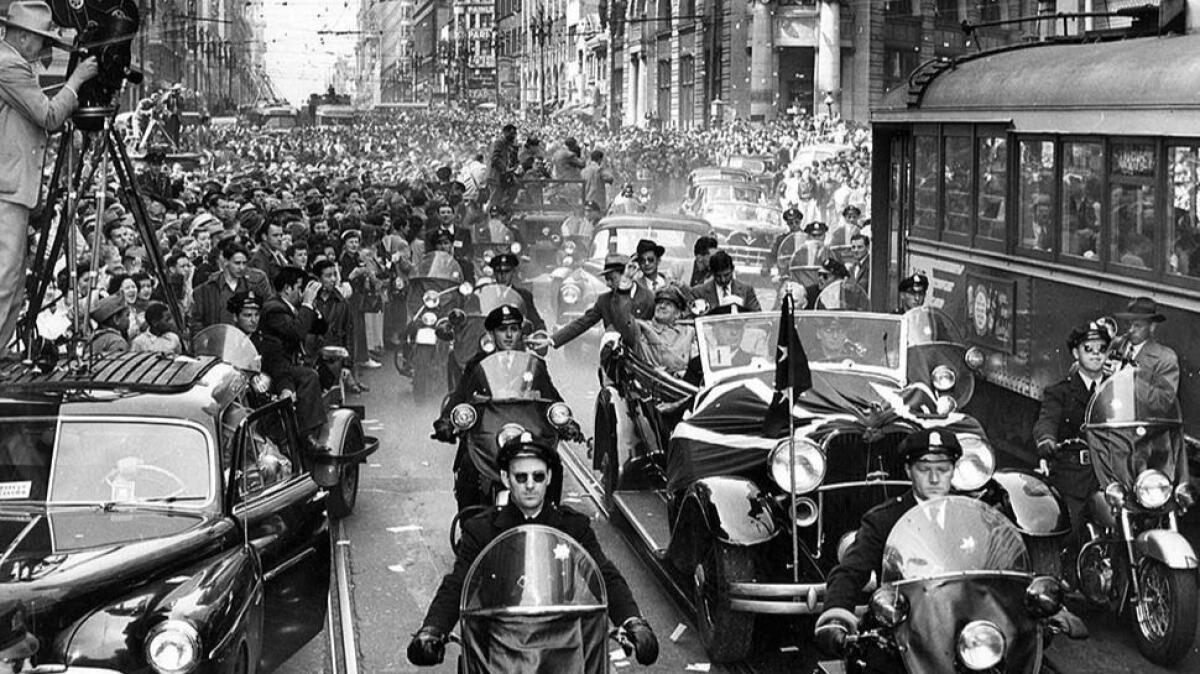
[[343, 650]]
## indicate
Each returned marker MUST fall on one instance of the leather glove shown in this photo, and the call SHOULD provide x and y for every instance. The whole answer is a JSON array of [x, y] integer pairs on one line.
[[1046, 448], [443, 431], [645, 643], [427, 648], [833, 627]]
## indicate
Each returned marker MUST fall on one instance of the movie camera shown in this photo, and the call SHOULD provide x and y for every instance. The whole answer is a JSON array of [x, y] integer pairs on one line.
[[104, 29]]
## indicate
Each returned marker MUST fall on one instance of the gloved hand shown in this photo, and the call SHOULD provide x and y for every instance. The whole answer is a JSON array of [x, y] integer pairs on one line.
[[645, 643], [443, 431], [1065, 622], [1046, 448], [833, 627], [427, 648]]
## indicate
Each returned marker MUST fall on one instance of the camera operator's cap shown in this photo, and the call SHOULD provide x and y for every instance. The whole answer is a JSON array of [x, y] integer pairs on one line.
[[107, 308], [1142, 308], [16, 643], [916, 283], [931, 444], [816, 228], [35, 17], [505, 314], [524, 446], [614, 263], [503, 262], [245, 299], [1092, 330]]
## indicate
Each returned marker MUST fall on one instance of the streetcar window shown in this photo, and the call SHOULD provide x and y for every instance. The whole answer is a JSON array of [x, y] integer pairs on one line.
[[958, 166], [1183, 226], [1133, 200], [993, 187], [926, 170], [1083, 171], [1036, 194]]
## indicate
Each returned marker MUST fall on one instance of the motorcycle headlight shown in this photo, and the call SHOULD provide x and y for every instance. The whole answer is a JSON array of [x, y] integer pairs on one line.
[[463, 416], [889, 606], [508, 432], [558, 415], [569, 293], [569, 247], [173, 647], [1114, 495], [1043, 597], [943, 378], [809, 465], [431, 298], [974, 358], [1153, 489], [981, 645], [976, 465], [515, 248], [429, 319]]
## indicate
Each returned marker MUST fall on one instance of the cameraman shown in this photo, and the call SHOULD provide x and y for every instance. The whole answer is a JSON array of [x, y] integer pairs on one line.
[[28, 36]]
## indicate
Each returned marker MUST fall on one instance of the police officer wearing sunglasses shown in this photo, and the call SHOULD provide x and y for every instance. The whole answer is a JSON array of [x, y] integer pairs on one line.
[[525, 467]]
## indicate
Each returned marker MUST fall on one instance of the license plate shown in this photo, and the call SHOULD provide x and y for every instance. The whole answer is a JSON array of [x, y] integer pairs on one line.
[[1085, 457], [426, 336]]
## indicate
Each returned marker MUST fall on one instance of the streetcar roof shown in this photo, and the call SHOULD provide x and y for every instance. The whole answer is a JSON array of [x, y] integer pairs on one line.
[[1141, 86]]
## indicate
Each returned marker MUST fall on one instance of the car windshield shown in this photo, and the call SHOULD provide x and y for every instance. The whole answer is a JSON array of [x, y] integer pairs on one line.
[[102, 461], [514, 375], [927, 325], [529, 568], [741, 211], [949, 535], [731, 192]]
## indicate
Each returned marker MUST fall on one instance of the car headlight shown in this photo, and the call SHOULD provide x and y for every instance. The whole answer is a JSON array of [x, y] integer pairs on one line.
[[559, 415], [976, 465], [508, 432], [1153, 489], [569, 293], [974, 357], [981, 645], [429, 319], [943, 378], [810, 465], [463, 416], [431, 298], [173, 647], [569, 247], [487, 344]]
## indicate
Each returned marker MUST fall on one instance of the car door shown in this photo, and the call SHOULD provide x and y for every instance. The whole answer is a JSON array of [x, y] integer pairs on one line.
[[283, 513]]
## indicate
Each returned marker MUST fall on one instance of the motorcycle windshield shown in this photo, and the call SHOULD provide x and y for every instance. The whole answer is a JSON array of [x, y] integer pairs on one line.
[[1133, 397], [843, 296], [534, 601], [493, 295], [1133, 423], [949, 536], [438, 264], [228, 344], [927, 325], [515, 375]]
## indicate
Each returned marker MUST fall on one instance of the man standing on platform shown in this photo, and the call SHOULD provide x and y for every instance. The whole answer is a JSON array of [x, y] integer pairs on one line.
[[26, 118]]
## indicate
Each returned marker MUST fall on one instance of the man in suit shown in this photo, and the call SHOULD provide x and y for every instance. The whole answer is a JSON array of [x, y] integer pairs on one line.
[[26, 117], [287, 320], [860, 264], [1139, 346], [619, 308], [723, 288], [268, 254], [1057, 429], [504, 171], [527, 468]]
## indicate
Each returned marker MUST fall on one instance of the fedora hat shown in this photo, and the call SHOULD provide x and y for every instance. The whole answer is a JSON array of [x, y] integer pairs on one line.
[[34, 16], [1143, 308]]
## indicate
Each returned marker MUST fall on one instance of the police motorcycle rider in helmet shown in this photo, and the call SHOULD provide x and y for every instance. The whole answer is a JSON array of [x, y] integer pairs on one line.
[[505, 324], [526, 466], [929, 459]]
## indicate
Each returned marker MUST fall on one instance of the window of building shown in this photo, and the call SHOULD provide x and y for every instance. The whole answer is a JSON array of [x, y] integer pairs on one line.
[[1132, 203], [897, 7], [1082, 175], [899, 62], [1183, 225], [664, 90], [993, 187], [1036, 195], [687, 91], [925, 185], [957, 169], [947, 11]]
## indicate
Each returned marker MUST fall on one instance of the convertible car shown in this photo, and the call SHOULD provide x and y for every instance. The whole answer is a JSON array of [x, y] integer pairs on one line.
[[160, 514], [746, 510]]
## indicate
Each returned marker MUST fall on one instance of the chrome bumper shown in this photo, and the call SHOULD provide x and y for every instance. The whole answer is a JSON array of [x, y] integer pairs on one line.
[[67, 669], [777, 598]]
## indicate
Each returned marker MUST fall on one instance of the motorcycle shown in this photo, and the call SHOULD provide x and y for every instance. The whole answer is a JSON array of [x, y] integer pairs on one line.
[[957, 594], [1132, 554], [534, 601], [435, 290]]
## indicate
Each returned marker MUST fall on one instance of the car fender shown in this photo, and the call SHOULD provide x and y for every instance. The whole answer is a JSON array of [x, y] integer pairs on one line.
[[343, 435], [731, 510], [222, 597], [1168, 547]]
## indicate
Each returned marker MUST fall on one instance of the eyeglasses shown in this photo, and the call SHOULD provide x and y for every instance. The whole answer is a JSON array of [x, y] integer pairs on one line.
[[538, 477], [1092, 349]]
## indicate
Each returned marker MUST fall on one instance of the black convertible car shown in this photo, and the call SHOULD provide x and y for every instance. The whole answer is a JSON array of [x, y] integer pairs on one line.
[[157, 514]]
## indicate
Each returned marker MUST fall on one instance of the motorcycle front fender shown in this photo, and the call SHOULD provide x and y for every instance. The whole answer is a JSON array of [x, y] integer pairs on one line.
[[1168, 547]]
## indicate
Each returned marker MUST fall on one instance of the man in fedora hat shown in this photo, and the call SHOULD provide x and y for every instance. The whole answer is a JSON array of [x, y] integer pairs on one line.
[[27, 116], [17, 645], [1138, 345], [619, 308], [648, 257]]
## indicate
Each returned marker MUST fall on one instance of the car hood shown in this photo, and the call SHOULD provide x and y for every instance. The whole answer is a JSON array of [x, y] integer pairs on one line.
[[64, 563]]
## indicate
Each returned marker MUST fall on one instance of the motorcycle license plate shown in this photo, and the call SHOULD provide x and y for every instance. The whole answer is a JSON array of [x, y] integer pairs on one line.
[[426, 336]]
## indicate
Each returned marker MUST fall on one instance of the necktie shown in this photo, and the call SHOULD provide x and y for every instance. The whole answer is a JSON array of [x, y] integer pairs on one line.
[[1091, 388]]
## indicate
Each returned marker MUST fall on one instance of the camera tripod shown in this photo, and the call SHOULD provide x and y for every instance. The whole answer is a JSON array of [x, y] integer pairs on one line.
[[71, 178]]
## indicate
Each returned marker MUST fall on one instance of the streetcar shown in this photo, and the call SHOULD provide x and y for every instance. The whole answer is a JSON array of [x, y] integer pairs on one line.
[[1040, 186]]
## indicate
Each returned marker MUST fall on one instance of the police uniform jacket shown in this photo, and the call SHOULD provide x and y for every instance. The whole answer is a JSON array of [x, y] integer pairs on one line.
[[473, 381], [619, 312], [1063, 408], [482, 529], [865, 555]]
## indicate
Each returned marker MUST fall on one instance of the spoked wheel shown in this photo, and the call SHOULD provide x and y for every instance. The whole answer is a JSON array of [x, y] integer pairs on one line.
[[728, 635], [343, 497], [1164, 616]]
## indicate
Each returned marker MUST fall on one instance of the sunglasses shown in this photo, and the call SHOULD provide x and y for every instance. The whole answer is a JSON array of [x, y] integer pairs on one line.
[[1089, 348], [538, 477]]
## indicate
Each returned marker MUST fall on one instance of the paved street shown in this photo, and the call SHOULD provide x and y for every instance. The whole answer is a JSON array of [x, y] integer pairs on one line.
[[399, 550]]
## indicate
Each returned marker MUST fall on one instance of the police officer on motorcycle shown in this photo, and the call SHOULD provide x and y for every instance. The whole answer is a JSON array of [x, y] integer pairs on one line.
[[912, 291], [525, 466], [504, 270]]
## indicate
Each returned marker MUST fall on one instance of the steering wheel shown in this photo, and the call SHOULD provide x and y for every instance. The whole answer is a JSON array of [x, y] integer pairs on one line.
[[156, 476]]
